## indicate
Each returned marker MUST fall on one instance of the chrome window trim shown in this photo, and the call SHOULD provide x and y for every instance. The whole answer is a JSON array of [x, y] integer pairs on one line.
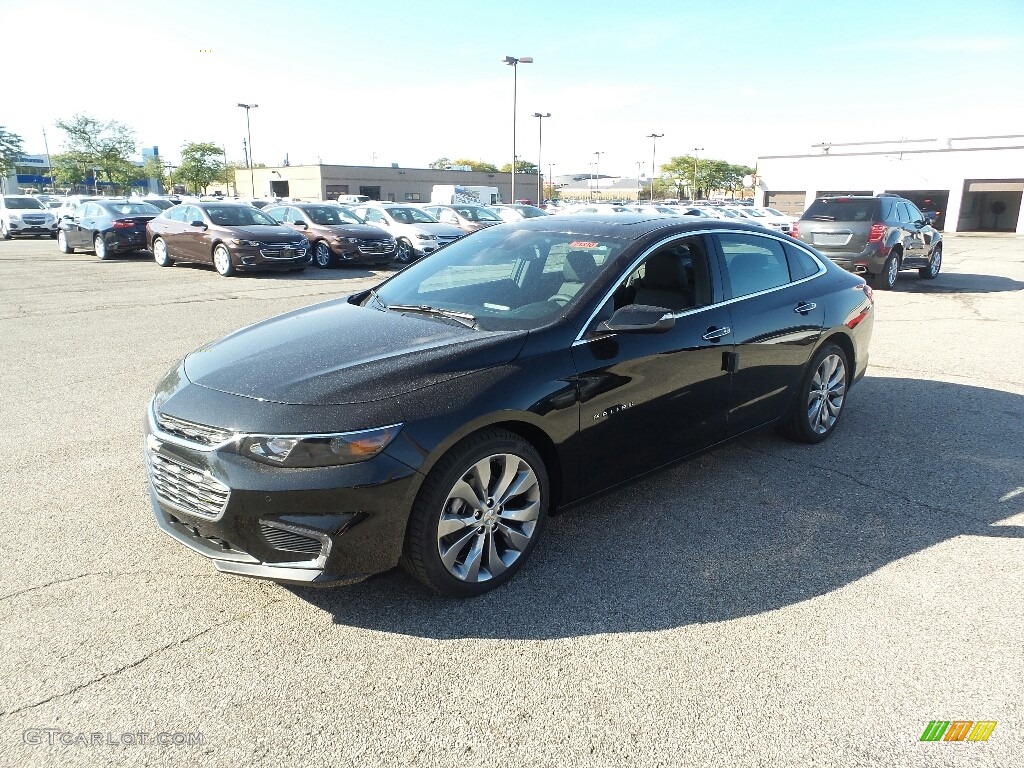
[[694, 233]]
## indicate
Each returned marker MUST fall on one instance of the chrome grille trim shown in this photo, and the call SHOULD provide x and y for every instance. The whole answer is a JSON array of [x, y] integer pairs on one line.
[[376, 246], [186, 488], [193, 432], [275, 250]]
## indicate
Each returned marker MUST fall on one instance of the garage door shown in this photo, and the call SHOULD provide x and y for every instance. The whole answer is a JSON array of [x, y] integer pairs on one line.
[[791, 203]]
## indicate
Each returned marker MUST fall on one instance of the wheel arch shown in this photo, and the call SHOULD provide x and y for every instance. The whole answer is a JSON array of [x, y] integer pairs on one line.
[[844, 342]]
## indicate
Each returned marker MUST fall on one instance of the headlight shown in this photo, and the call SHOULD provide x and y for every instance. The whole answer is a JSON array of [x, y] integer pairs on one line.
[[247, 243], [425, 237], [319, 450], [15, 216]]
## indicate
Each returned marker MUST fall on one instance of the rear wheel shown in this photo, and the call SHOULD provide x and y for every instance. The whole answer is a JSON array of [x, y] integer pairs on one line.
[[821, 396], [934, 265], [222, 261], [62, 243], [99, 247], [478, 515], [160, 255], [322, 255], [886, 279]]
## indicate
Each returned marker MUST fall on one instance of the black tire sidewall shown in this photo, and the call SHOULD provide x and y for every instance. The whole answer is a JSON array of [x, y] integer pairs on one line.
[[799, 426], [421, 556]]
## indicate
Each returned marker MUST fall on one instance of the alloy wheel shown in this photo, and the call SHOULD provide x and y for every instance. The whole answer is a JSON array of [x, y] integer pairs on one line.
[[323, 255], [222, 260], [826, 394], [892, 270], [489, 518], [100, 247], [936, 263]]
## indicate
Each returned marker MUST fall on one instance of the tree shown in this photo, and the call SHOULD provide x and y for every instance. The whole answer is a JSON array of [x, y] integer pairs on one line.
[[441, 164], [477, 165], [522, 166], [10, 151], [201, 165], [108, 146]]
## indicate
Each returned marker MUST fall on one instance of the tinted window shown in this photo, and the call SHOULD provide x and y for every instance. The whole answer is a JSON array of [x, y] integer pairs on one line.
[[326, 215], [177, 213], [277, 213], [238, 216], [161, 204], [801, 263], [131, 209], [90, 211], [915, 213], [675, 277], [902, 213], [476, 213], [411, 216], [838, 209], [753, 263], [22, 203]]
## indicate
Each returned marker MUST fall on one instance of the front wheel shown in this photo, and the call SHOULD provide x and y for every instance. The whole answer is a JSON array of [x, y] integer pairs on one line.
[[821, 397], [405, 252], [99, 247], [478, 515], [222, 261], [160, 255], [934, 265], [5, 233], [62, 243], [322, 255]]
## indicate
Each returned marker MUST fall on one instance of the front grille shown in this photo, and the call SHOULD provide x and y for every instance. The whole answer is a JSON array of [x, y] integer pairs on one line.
[[193, 432], [290, 541], [34, 220], [187, 488], [376, 246], [283, 250]]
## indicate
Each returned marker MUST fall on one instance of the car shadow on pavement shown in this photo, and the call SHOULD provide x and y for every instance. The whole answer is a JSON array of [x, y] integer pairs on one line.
[[959, 282], [759, 525], [309, 273]]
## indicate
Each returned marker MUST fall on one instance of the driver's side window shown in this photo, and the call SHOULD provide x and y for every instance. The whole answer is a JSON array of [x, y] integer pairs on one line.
[[675, 277]]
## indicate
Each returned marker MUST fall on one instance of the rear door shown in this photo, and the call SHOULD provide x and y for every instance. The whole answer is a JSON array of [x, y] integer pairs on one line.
[[777, 318], [86, 220]]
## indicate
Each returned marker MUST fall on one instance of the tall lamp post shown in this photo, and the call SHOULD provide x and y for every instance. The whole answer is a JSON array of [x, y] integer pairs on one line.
[[248, 131], [514, 62], [597, 174], [695, 151], [540, 143], [551, 178], [639, 173], [654, 152]]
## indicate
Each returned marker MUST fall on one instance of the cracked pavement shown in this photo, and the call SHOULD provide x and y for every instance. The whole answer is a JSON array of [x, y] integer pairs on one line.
[[764, 604]]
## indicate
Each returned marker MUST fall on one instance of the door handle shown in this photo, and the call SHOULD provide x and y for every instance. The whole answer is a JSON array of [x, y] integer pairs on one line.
[[805, 306], [714, 334]]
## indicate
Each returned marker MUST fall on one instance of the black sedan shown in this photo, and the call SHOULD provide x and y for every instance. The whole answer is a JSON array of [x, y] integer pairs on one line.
[[437, 419], [106, 228]]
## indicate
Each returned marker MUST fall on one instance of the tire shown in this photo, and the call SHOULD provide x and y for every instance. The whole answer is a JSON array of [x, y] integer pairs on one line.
[[886, 279], [934, 265], [222, 261], [5, 233], [483, 541], [53, 235], [99, 247], [62, 243], [821, 397], [322, 255], [160, 255], [405, 253]]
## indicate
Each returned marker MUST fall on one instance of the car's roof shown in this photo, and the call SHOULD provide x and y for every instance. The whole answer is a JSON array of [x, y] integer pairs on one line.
[[628, 225]]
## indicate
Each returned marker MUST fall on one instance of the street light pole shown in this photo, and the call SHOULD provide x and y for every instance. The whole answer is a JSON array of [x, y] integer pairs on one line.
[[551, 178], [597, 173], [639, 171], [695, 151], [540, 144], [514, 62], [654, 151], [248, 130]]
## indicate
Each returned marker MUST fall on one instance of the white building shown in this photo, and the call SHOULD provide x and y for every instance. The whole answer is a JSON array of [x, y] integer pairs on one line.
[[975, 183]]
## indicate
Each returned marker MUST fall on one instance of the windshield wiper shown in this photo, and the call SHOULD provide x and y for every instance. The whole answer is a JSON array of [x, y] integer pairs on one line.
[[463, 318]]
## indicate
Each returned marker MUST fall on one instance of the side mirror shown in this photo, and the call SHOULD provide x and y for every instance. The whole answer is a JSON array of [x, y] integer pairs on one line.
[[638, 318], [301, 224], [198, 223]]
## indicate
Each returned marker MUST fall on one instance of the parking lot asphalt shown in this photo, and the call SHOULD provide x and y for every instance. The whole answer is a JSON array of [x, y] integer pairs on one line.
[[768, 603]]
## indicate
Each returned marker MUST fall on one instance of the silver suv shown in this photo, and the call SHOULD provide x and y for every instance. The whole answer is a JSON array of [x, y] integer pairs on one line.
[[873, 236], [23, 215]]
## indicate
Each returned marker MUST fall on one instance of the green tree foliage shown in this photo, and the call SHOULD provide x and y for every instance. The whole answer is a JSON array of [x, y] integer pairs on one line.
[[701, 177], [440, 164], [201, 164], [522, 166], [477, 165], [10, 151], [106, 146]]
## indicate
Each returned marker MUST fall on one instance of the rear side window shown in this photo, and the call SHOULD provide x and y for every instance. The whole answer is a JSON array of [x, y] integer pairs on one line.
[[801, 264], [838, 209], [753, 263]]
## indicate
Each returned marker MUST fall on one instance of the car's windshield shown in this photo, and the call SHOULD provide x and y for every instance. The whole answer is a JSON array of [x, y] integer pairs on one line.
[[506, 279], [132, 209], [476, 213], [529, 211], [326, 215], [410, 216], [754, 213], [238, 216], [23, 203], [160, 203]]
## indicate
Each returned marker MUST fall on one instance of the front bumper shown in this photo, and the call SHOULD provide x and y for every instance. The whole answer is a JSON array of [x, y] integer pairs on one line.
[[263, 258], [331, 525], [24, 229], [361, 254]]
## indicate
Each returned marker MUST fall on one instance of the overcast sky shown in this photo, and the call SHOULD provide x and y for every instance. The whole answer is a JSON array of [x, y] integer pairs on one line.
[[408, 82]]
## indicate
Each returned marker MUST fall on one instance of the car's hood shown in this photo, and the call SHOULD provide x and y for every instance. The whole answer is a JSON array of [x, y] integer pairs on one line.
[[338, 352], [358, 230], [267, 234]]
